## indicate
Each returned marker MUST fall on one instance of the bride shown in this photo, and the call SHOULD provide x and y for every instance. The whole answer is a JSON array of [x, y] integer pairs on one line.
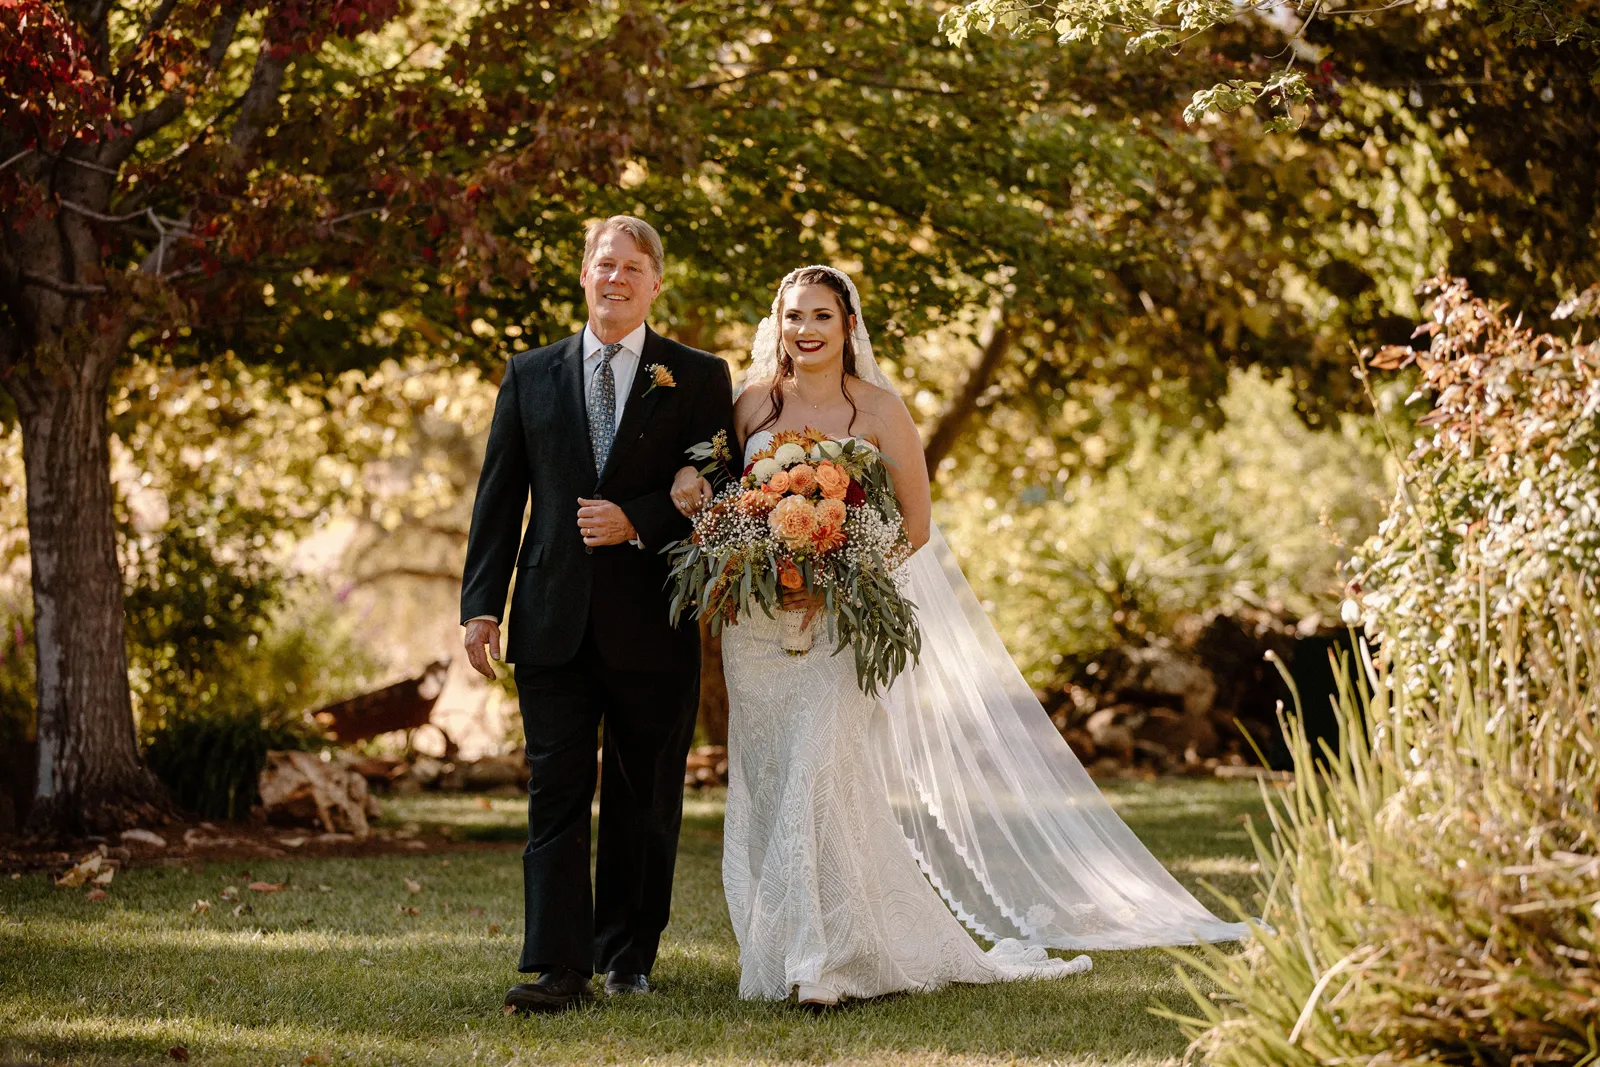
[[865, 836]]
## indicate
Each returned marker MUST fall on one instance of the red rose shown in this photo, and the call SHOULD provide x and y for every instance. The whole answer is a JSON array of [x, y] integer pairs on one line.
[[855, 494]]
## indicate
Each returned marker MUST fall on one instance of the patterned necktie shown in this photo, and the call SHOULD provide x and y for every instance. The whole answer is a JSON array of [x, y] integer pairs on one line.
[[603, 407]]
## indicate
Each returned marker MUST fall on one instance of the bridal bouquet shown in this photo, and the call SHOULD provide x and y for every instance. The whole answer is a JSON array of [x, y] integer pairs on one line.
[[810, 513]]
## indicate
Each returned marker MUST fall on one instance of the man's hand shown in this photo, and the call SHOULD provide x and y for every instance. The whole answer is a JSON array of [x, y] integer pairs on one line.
[[482, 632], [690, 492], [603, 523]]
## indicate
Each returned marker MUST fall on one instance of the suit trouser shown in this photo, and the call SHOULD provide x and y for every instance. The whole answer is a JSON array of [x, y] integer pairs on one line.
[[648, 719]]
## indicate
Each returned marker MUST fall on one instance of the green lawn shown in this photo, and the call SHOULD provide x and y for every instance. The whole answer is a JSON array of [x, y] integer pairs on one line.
[[335, 970]]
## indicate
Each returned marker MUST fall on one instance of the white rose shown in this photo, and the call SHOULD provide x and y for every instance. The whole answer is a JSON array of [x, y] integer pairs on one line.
[[829, 449], [764, 469], [789, 454]]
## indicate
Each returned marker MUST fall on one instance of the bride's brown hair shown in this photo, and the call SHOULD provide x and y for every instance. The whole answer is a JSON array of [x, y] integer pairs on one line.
[[835, 284]]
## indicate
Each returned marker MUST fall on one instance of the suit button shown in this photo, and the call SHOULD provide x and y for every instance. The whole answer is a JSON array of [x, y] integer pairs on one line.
[[588, 550]]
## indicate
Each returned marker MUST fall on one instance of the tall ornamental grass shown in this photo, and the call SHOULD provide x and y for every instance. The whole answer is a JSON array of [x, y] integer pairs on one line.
[[1432, 887]]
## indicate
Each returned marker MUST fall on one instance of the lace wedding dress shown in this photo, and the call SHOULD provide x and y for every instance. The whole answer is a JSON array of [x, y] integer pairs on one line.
[[821, 886], [865, 836]]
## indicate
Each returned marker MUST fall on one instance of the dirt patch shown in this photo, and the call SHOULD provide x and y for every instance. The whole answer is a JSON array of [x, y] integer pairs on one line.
[[180, 844]]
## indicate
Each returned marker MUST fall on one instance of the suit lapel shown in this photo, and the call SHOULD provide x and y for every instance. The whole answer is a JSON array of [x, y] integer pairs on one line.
[[642, 401], [568, 381]]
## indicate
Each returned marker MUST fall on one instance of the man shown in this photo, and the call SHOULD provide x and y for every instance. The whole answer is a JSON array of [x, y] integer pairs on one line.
[[594, 428]]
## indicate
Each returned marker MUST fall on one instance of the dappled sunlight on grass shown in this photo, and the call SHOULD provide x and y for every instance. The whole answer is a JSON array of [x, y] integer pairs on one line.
[[336, 965]]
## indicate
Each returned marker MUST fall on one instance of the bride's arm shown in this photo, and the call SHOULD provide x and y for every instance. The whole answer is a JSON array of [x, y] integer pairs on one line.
[[901, 445]]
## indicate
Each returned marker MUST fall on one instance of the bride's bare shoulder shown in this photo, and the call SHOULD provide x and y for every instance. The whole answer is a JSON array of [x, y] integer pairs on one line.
[[754, 400], [883, 407]]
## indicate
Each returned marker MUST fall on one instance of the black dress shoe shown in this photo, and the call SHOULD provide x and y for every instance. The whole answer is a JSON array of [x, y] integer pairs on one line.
[[619, 984], [558, 990]]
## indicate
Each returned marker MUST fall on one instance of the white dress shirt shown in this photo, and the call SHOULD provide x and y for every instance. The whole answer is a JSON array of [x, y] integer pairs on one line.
[[624, 365]]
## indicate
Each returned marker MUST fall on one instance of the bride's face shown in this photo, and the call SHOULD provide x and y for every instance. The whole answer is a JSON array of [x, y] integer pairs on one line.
[[814, 326]]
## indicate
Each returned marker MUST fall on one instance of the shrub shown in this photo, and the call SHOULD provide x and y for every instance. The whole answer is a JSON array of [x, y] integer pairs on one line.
[[212, 762], [1507, 484], [251, 697], [1256, 513], [1435, 882]]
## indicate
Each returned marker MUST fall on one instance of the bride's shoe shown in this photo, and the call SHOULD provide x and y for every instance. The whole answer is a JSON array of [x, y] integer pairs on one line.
[[815, 997]]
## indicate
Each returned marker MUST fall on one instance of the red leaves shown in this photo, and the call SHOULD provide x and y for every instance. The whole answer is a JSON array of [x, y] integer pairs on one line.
[[1495, 384], [301, 26], [50, 91]]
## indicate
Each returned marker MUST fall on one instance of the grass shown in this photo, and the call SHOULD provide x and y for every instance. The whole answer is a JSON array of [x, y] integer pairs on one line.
[[333, 970]]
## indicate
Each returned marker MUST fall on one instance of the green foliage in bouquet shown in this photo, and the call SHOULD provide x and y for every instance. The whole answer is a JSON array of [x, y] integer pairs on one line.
[[810, 514]]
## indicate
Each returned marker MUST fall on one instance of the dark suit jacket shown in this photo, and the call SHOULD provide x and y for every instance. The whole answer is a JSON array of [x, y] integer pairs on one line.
[[539, 446]]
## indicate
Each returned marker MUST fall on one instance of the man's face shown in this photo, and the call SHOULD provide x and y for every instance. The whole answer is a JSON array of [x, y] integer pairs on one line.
[[620, 284]]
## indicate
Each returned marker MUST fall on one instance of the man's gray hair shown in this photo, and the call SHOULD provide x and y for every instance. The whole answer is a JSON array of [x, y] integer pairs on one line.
[[644, 235]]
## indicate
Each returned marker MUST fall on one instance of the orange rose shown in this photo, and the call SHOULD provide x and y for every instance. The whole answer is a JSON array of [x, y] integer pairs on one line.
[[831, 513], [789, 575], [833, 481], [802, 479], [828, 538], [756, 502], [779, 482]]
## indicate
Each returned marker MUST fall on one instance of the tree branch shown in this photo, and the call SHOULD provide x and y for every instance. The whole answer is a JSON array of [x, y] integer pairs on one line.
[[954, 420], [259, 102], [174, 104], [406, 572], [63, 288], [158, 19]]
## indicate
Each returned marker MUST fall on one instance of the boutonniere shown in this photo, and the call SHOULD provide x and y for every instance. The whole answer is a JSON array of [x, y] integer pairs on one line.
[[660, 378]]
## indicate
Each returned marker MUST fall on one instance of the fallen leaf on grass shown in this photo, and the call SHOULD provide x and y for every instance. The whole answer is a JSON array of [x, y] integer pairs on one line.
[[266, 887], [324, 888], [485, 803], [230, 892], [416, 844], [494, 928], [179, 1053], [291, 842], [242, 909], [413, 887], [84, 870], [16, 876], [95, 895], [201, 907], [476, 913], [366, 962], [509, 1010], [313, 1059], [413, 912], [144, 837], [105, 876]]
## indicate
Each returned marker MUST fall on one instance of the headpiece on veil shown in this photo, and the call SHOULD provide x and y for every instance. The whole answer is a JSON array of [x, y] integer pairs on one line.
[[764, 349]]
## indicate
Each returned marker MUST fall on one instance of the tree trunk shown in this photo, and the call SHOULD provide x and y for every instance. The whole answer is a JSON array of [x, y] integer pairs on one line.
[[90, 776], [713, 688], [954, 420]]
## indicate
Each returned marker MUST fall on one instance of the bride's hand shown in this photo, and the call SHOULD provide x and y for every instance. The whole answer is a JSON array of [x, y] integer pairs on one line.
[[689, 491], [796, 599]]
